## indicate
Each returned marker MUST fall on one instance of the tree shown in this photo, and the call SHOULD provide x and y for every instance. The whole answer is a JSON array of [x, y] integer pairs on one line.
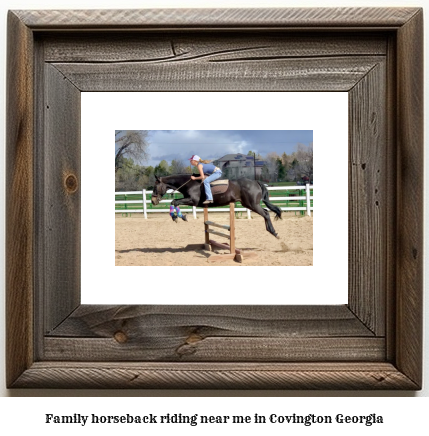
[[130, 144], [271, 162], [285, 159], [149, 172], [255, 155], [281, 171], [293, 169], [162, 169], [177, 167], [130, 176], [265, 174], [304, 156]]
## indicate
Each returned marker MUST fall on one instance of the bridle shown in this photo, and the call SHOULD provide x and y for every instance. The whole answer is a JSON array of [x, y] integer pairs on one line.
[[158, 196]]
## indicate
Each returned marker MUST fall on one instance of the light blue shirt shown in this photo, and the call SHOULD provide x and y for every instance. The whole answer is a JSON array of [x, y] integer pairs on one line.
[[208, 168]]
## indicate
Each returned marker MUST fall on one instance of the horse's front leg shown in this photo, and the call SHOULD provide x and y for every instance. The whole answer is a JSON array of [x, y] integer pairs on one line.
[[183, 202], [175, 207]]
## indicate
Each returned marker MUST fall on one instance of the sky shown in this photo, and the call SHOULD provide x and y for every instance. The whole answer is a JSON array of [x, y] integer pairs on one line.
[[213, 144]]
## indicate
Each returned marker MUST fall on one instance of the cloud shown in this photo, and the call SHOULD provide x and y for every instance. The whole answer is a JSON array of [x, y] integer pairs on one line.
[[213, 144]]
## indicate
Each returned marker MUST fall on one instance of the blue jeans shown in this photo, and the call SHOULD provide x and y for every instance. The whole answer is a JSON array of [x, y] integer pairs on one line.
[[207, 181]]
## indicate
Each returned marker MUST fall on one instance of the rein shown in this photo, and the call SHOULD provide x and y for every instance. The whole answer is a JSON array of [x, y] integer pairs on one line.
[[181, 186], [175, 190]]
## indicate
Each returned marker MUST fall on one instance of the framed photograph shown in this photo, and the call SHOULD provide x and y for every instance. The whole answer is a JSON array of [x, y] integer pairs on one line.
[[57, 340], [148, 243]]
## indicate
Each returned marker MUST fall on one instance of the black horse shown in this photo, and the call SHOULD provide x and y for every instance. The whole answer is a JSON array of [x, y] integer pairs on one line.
[[248, 192]]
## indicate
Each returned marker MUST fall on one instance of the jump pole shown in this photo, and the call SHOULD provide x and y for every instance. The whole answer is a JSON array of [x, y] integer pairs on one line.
[[234, 253]]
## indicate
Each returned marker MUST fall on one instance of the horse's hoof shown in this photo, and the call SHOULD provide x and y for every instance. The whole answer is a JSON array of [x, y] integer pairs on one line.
[[184, 218]]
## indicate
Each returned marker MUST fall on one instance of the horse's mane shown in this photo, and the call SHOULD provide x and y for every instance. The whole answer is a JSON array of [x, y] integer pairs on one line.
[[176, 178]]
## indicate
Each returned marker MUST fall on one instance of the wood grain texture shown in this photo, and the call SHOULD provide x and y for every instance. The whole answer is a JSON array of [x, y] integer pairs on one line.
[[391, 192], [178, 348], [300, 74], [177, 47], [213, 333], [99, 321], [19, 200], [409, 279], [61, 186], [368, 201], [189, 346], [208, 18], [110, 375]]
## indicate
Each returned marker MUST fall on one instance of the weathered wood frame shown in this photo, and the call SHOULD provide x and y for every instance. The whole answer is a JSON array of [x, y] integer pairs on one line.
[[373, 342]]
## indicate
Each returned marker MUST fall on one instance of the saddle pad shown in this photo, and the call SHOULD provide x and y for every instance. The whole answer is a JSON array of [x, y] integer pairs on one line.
[[219, 182], [219, 186]]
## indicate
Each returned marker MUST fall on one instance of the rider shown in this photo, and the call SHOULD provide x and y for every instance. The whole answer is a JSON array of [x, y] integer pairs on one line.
[[208, 173]]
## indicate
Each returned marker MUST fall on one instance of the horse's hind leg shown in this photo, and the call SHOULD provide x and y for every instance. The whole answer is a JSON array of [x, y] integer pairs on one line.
[[265, 214]]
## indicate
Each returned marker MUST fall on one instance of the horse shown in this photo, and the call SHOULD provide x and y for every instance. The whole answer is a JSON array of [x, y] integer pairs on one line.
[[248, 192]]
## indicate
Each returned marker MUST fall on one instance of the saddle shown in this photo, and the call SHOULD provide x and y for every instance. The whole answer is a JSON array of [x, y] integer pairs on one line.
[[219, 186]]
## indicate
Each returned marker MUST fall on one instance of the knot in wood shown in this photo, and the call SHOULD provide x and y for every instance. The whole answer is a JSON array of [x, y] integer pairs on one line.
[[193, 338], [120, 337], [71, 183]]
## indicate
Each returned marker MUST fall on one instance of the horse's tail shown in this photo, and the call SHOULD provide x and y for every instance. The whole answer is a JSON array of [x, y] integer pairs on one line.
[[271, 206]]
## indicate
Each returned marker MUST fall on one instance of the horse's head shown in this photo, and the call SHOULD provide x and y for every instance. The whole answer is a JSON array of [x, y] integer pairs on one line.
[[159, 191]]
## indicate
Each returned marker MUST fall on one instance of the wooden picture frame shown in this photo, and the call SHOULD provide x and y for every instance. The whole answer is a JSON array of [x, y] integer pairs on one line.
[[373, 342]]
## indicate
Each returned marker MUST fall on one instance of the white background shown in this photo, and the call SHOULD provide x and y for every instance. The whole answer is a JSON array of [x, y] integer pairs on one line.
[[326, 113], [404, 415]]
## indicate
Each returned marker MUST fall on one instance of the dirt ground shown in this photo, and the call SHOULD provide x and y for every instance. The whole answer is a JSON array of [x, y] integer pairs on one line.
[[158, 241]]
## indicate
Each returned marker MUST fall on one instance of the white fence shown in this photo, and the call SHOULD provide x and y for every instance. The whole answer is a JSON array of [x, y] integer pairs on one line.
[[307, 198]]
